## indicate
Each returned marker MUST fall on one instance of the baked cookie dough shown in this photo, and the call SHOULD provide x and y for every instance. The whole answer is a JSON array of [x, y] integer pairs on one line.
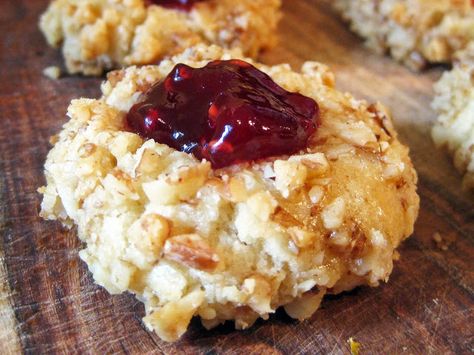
[[234, 243], [414, 32], [99, 35], [454, 103]]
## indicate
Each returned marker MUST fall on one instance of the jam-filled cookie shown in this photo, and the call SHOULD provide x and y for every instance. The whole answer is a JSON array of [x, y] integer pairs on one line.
[[454, 103], [414, 32], [99, 35], [214, 186]]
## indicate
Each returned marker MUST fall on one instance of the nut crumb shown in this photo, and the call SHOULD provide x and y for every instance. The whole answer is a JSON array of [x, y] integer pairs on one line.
[[355, 346], [191, 250], [440, 242], [437, 237], [52, 72]]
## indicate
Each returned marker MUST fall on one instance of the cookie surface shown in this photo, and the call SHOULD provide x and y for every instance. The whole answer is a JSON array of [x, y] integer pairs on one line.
[[234, 243], [414, 32], [99, 35], [454, 103]]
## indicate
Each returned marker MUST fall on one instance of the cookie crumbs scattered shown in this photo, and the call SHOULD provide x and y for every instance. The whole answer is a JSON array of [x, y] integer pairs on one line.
[[355, 346], [52, 72]]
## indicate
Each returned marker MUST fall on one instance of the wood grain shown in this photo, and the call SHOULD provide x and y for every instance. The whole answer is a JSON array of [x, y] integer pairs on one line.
[[49, 303]]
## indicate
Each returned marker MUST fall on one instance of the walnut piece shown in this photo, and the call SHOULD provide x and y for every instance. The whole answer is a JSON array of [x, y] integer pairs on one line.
[[191, 250]]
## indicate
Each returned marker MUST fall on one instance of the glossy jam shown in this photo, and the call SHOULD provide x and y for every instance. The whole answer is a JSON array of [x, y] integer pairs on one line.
[[227, 112], [184, 5]]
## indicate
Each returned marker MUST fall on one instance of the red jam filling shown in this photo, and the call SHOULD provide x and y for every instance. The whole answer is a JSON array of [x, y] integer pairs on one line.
[[227, 112], [184, 5]]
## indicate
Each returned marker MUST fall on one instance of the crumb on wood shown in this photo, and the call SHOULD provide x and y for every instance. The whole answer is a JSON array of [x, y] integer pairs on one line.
[[53, 139], [440, 242], [52, 72], [396, 255], [354, 345]]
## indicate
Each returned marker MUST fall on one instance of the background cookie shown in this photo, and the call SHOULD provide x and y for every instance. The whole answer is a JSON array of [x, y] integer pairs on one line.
[[236, 243], [454, 103], [104, 34], [414, 32]]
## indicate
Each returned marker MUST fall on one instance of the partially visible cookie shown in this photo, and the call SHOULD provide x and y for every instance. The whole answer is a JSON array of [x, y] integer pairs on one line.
[[99, 35], [454, 103], [414, 32], [233, 243]]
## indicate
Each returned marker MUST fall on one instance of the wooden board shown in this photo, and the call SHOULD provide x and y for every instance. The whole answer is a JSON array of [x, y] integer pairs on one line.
[[49, 303]]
